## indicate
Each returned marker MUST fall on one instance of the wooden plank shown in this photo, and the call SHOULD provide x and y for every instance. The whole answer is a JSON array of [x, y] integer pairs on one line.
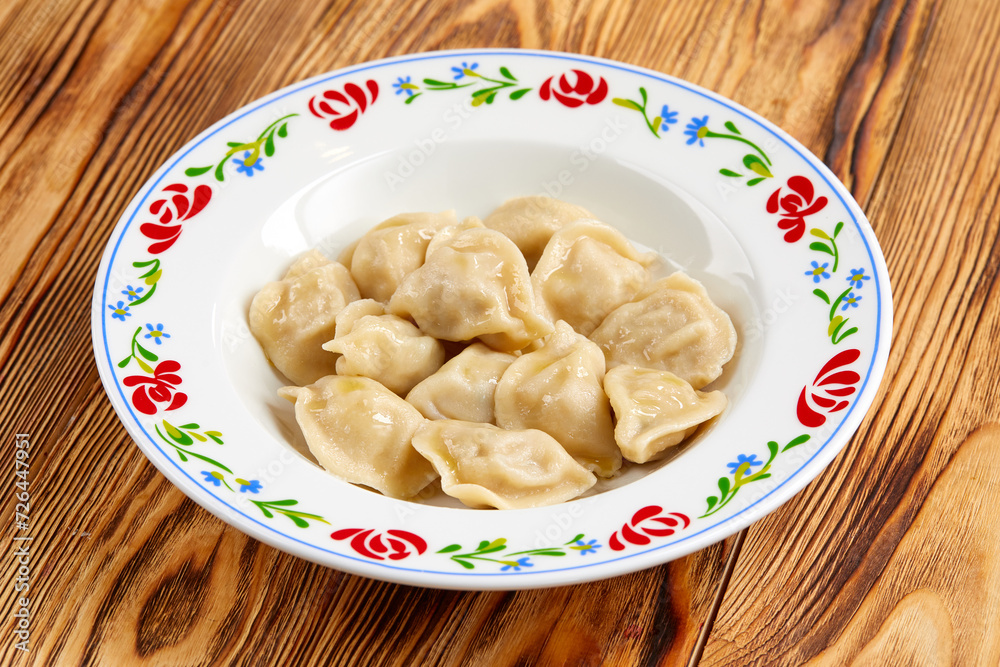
[[934, 208], [928, 611], [68, 128]]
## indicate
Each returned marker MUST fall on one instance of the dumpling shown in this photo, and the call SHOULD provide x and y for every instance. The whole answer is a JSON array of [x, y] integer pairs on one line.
[[464, 387], [360, 431], [672, 325], [486, 466], [476, 284], [445, 235], [383, 347], [558, 389], [656, 410], [587, 270], [293, 317], [394, 248], [530, 221], [304, 263]]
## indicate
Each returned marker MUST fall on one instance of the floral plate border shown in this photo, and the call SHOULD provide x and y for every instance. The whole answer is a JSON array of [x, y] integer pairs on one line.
[[143, 379]]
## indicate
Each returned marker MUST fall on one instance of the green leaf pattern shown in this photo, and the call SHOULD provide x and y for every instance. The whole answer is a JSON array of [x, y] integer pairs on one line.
[[499, 554], [728, 488], [838, 328], [484, 89], [252, 149]]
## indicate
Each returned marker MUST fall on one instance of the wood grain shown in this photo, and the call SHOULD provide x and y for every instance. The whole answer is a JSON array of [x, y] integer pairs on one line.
[[890, 555], [927, 610], [939, 229]]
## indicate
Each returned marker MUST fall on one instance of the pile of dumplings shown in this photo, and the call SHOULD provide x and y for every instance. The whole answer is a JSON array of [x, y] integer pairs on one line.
[[516, 358]]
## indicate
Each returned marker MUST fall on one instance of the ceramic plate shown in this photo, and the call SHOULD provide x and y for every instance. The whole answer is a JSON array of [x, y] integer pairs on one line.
[[715, 189]]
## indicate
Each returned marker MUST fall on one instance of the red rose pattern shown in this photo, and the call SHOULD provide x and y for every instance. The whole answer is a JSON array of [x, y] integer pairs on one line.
[[344, 108], [795, 206], [829, 391], [160, 388], [175, 206], [585, 90], [645, 523], [393, 544]]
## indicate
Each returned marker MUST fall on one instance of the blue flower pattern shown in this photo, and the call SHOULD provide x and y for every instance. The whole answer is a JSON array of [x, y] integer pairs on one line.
[[119, 311], [751, 461], [524, 561], [667, 117], [693, 128], [212, 478], [857, 278], [156, 333], [249, 169], [403, 86], [132, 292], [251, 486], [460, 71], [818, 271]]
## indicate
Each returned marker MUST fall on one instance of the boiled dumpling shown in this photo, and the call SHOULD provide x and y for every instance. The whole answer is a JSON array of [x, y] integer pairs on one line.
[[360, 431], [383, 347], [474, 285], [304, 263], [464, 387], [389, 252], [530, 221], [587, 270], [672, 325], [558, 389], [293, 317], [656, 410], [524, 413], [444, 236], [486, 466]]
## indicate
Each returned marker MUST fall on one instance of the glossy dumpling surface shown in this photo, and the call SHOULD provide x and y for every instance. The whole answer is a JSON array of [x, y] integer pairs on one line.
[[444, 236], [293, 317], [530, 221], [476, 284], [304, 263], [672, 325], [558, 389], [383, 347], [464, 387], [586, 271], [486, 466], [385, 255], [656, 410], [360, 431]]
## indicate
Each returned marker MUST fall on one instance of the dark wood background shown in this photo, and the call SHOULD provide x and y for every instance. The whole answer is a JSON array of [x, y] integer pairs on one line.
[[891, 556]]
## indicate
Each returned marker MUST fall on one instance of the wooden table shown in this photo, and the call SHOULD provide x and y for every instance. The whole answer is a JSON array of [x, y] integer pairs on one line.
[[891, 556]]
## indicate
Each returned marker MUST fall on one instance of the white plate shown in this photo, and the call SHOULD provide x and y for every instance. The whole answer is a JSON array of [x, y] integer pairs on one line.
[[716, 189]]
